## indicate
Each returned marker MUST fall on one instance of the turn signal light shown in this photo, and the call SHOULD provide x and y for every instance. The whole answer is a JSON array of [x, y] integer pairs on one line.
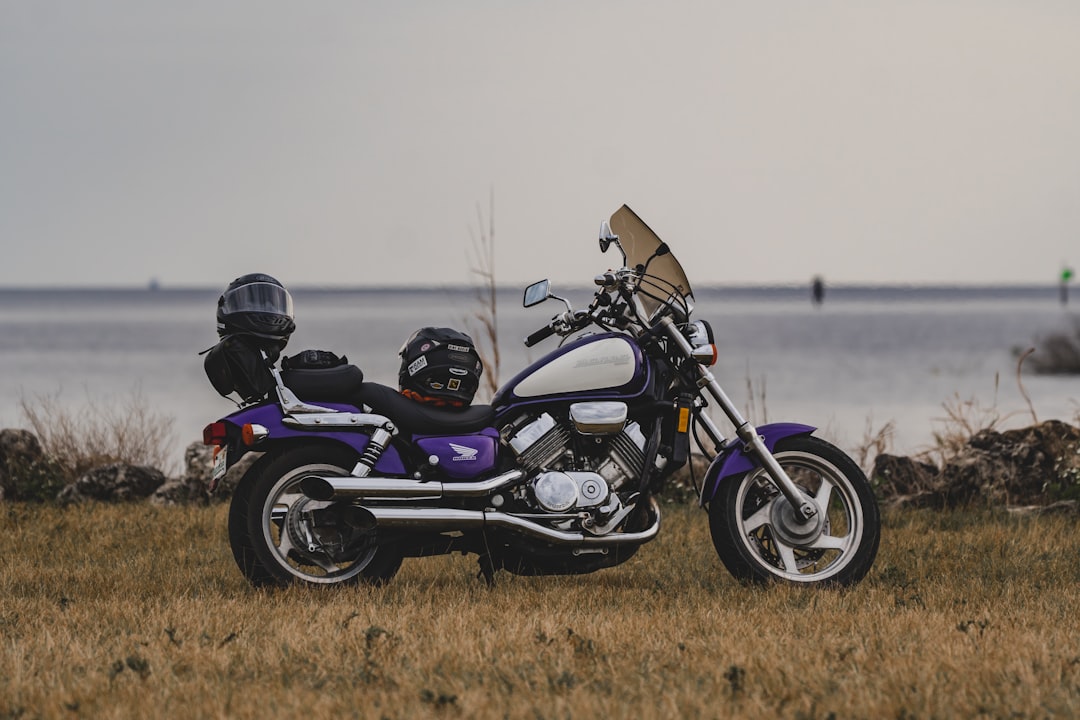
[[706, 354], [215, 434], [252, 433]]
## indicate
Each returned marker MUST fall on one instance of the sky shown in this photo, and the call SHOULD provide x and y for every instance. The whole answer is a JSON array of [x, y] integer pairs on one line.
[[374, 142]]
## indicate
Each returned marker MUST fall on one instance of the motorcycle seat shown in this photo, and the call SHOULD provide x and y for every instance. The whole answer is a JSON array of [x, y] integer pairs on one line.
[[418, 418]]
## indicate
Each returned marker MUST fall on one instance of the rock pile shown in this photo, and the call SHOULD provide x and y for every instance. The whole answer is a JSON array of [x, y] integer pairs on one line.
[[19, 451], [25, 473], [113, 483], [1037, 466]]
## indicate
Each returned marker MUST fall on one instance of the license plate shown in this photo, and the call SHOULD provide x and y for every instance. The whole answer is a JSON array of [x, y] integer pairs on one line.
[[221, 455]]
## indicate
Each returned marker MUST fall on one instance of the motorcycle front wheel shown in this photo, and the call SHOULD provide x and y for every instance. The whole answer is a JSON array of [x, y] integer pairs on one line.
[[759, 537], [279, 536]]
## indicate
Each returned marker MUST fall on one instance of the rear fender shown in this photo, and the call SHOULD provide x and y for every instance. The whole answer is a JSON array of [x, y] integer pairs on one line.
[[269, 416], [735, 459]]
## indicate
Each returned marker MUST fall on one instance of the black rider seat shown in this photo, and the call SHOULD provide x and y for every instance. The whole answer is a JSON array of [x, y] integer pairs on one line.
[[422, 419], [345, 384]]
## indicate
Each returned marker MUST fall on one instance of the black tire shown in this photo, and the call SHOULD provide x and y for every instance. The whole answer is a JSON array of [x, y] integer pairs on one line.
[[239, 540], [268, 503], [758, 539]]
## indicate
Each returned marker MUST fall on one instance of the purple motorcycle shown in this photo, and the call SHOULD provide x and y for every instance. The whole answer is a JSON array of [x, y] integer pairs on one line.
[[558, 475]]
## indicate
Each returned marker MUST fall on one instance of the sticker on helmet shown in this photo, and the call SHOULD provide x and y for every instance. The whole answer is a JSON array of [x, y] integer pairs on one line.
[[417, 365]]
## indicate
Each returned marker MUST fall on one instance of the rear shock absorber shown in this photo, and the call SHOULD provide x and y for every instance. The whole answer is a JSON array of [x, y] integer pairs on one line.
[[374, 450]]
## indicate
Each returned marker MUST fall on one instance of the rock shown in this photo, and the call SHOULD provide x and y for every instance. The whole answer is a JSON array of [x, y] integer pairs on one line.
[[177, 492], [1033, 466], [199, 468], [191, 487], [896, 475], [113, 483], [1030, 466], [19, 451], [228, 483], [1062, 507]]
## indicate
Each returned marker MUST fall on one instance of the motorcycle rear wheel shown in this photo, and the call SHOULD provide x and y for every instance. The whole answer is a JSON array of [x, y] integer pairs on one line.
[[277, 541], [758, 538]]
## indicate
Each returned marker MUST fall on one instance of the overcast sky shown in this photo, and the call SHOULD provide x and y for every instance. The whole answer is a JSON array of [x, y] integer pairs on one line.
[[352, 143]]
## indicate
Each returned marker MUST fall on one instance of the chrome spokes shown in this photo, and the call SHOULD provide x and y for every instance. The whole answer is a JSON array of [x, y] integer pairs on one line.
[[309, 551], [791, 547]]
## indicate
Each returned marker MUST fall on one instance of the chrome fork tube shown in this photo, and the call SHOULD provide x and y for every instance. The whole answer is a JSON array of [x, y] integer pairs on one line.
[[744, 429]]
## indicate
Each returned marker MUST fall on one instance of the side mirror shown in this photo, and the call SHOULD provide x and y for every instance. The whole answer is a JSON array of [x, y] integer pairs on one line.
[[606, 236], [537, 293], [609, 238]]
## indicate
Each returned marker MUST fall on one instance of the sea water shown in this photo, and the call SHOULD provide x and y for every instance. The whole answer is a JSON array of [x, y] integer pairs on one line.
[[865, 358]]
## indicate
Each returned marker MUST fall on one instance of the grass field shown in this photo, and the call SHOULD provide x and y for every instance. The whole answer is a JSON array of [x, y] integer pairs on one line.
[[136, 611]]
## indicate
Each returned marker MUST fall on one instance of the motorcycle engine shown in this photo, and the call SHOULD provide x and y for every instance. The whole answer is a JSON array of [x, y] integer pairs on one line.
[[583, 462]]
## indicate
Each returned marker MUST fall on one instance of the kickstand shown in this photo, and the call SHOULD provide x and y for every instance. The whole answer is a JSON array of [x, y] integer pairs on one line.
[[487, 571], [487, 567]]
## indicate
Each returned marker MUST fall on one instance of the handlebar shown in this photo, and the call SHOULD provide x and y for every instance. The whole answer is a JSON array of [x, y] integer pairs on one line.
[[610, 307], [563, 324], [540, 335]]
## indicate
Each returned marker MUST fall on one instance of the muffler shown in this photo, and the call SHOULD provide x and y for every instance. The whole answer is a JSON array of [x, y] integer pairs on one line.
[[448, 519], [319, 487]]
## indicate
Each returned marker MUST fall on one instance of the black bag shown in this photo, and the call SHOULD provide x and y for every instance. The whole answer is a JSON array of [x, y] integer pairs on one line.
[[236, 365], [313, 360], [440, 366]]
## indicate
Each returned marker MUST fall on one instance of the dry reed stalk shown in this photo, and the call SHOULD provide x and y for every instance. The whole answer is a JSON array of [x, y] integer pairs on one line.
[[874, 443], [963, 420], [101, 432], [123, 611], [1020, 383], [487, 315]]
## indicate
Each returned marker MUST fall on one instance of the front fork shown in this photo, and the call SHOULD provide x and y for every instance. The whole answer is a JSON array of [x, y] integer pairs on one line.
[[753, 442]]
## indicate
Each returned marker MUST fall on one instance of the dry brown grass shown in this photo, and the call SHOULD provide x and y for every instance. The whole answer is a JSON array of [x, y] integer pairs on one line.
[[130, 611]]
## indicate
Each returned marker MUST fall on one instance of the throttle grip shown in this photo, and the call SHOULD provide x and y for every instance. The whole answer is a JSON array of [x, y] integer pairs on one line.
[[542, 334]]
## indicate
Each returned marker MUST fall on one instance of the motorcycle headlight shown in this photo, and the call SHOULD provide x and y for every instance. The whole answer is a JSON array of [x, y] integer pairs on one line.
[[700, 335]]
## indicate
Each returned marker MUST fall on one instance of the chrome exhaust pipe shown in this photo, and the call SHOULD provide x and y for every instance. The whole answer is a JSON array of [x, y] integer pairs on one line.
[[319, 487], [446, 519]]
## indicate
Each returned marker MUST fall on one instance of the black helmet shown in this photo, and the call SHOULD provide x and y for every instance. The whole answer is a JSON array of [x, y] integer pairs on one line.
[[258, 305]]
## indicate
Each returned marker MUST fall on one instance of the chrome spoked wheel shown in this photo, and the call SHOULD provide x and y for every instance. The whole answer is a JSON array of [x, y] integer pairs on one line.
[[760, 536], [311, 539], [297, 539]]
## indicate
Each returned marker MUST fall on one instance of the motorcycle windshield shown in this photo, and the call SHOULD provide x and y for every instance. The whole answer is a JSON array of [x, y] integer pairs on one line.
[[664, 276]]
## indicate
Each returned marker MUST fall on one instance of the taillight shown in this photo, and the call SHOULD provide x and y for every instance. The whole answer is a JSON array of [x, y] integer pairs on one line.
[[215, 434]]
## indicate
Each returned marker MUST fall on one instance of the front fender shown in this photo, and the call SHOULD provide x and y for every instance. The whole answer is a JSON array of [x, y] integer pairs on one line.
[[734, 459]]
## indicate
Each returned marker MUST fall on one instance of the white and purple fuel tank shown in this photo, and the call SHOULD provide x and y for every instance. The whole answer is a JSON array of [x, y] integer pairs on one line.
[[607, 365]]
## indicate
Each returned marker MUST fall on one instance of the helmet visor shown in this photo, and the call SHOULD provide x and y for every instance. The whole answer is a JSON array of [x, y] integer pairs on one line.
[[258, 297]]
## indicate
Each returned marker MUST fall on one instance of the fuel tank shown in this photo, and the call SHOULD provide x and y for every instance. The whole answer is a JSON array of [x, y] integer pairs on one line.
[[596, 366]]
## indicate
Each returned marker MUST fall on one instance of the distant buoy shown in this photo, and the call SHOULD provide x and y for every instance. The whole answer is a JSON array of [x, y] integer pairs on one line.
[[817, 290]]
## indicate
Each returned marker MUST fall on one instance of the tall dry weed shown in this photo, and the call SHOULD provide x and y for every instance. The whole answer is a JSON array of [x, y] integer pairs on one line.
[[875, 442], [101, 432], [963, 419], [758, 404], [484, 322]]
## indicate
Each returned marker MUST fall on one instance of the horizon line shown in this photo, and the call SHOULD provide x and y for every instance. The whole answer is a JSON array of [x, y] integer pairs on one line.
[[458, 287]]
